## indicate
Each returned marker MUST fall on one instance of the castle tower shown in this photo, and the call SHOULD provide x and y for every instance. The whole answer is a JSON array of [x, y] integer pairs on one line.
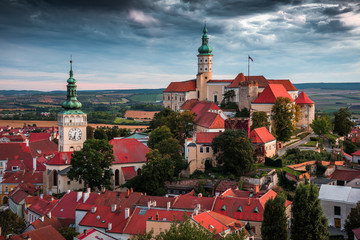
[[248, 92], [204, 67], [307, 111], [72, 121]]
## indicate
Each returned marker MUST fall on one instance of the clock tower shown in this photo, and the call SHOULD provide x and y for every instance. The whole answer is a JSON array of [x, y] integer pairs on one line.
[[72, 121]]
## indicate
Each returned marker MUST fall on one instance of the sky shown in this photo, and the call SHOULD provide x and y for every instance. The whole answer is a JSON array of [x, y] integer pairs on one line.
[[123, 44]]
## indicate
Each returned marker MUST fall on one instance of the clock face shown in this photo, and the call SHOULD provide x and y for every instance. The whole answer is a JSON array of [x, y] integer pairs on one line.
[[75, 134]]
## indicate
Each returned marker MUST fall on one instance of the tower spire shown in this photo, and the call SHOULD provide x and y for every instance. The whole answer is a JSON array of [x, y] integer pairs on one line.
[[205, 49], [71, 71], [71, 102]]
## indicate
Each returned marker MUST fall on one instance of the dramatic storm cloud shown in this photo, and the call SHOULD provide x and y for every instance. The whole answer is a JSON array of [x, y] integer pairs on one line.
[[149, 43]]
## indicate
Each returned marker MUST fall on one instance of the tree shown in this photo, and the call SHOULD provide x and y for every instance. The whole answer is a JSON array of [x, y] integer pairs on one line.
[[349, 147], [285, 114], [228, 96], [234, 152], [92, 164], [274, 226], [342, 122], [260, 119], [100, 134], [321, 125], [308, 221], [68, 233], [190, 231], [352, 221], [243, 113], [10, 223], [89, 132], [159, 134]]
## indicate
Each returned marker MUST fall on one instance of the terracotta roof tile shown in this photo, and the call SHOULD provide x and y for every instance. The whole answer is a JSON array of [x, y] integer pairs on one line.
[[261, 135], [18, 195], [206, 137], [344, 175], [220, 81], [303, 99], [181, 86], [286, 83], [161, 202], [27, 177], [190, 202], [44, 233], [226, 184], [128, 150], [14, 151], [43, 147], [53, 221], [357, 153], [93, 234], [206, 114], [128, 172], [356, 232], [121, 199], [60, 158], [271, 92], [42, 206], [260, 80], [39, 136]]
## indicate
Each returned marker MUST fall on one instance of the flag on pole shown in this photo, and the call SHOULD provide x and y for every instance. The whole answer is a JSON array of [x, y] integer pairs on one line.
[[251, 59]]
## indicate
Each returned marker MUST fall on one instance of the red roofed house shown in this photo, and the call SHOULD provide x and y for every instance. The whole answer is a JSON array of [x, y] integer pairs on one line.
[[356, 157], [39, 208], [247, 209], [130, 156], [18, 195], [55, 176], [44, 233], [198, 150], [343, 176], [178, 92], [263, 139], [92, 233], [209, 117]]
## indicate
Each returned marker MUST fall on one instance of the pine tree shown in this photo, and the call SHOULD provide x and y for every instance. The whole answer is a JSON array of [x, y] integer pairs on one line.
[[274, 226], [308, 221]]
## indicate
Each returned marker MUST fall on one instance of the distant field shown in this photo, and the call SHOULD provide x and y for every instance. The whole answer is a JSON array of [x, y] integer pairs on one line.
[[125, 121], [147, 97], [20, 123]]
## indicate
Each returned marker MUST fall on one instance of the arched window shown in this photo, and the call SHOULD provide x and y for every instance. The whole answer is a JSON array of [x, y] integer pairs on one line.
[[198, 96], [117, 177], [139, 171]]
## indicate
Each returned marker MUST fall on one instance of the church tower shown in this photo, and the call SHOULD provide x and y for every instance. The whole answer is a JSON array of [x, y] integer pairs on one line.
[[204, 67], [72, 121]]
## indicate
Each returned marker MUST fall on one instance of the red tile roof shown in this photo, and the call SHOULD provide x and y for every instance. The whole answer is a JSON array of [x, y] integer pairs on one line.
[[190, 202], [303, 99], [207, 116], [27, 177], [65, 208], [206, 137], [344, 175], [137, 222], [238, 79], [189, 104], [260, 80], [128, 150], [93, 234], [286, 83], [18, 195], [44, 233], [53, 221], [129, 172], [42, 206], [60, 158], [43, 147], [357, 153], [220, 81], [161, 202], [14, 151], [186, 86], [39, 136], [226, 184], [356, 232], [271, 92], [121, 199], [261, 135]]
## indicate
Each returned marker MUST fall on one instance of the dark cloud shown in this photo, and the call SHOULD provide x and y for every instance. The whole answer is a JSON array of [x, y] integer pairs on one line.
[[333, 11], [333, 26]]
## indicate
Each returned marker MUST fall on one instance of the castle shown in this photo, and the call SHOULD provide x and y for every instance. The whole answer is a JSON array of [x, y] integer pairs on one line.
[[256, 93]]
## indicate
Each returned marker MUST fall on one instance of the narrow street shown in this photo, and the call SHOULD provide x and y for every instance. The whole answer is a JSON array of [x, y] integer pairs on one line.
[[282, 151]]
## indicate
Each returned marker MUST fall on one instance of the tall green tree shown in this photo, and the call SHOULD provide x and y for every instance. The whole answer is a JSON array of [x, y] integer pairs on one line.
[[100, 133], [10, 223], [92, 164], [159, 134], [274, 225], [352, 221], [89, 132], [259, 119], [342, 122], [321, 125], [349, 147], [308, 221], [234, 152], [285, 114]]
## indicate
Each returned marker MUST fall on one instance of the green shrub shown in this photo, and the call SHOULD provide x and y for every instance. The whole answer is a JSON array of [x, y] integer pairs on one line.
[[314, 138]]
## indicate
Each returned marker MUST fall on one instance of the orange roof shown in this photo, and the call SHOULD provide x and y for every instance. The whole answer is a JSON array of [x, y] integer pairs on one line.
[[261, 135], [286, 83], [303, 99], [271, 92], [44, 233], [206, 114], [53, 221], [206, 137], [181, 86], [60, 158], [260, 80]]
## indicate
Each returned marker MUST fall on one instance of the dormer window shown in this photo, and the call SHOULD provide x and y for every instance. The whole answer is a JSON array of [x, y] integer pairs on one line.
[[256, 210], [223, 208], [15, 168], [239, 209]]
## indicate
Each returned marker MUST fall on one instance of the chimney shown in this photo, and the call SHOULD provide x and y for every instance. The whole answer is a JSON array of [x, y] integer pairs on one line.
[[168, 204], [196, 212], [154, 203], [249, 201], [27, 142], [131, 189], [86, 195], [128, 193], [109, 226], [103, 189], [93, 210], [127, 213], [34, 164], [41, 196], [157, 216], [88, 190], [149, 204], [42, 218], [68, 191], [200, 195], [49, 214], [257, 188], [78, 196], [198, 206], [113, 207]]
